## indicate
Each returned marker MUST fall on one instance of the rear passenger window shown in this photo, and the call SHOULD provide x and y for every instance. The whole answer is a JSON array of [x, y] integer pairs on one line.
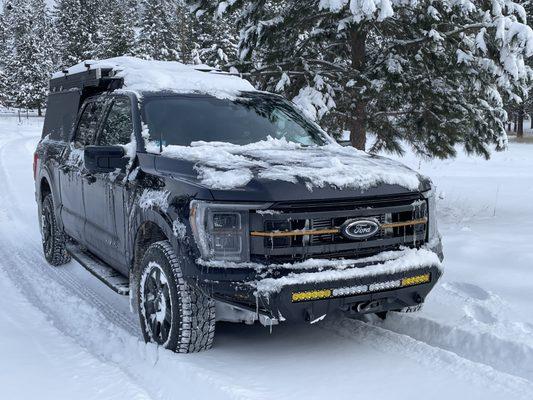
[[118, 126], [88, 125]]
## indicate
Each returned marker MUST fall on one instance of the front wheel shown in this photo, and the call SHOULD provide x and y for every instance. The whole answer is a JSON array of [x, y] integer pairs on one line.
[[172, 313]]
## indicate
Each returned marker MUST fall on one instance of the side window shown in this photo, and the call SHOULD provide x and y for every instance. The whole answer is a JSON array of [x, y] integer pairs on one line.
[[88, 125], [119, 125]]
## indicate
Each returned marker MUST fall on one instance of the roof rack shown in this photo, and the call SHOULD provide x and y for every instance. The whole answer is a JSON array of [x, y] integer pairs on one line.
[[93, 79]]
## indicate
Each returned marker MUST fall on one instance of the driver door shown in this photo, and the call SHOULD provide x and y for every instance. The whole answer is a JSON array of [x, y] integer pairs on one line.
[[104, 192], [72, 172]]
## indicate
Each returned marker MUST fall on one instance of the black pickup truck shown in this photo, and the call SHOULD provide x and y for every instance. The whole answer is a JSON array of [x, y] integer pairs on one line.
[[203, 205]]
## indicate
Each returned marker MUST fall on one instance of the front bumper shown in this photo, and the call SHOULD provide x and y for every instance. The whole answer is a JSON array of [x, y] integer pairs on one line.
[[281, 305], [270, 290]]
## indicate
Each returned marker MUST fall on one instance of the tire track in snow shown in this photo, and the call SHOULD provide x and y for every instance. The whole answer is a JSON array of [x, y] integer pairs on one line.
[[430, 356], [78, 312], [487, 339], [63, 273], [146, 364]]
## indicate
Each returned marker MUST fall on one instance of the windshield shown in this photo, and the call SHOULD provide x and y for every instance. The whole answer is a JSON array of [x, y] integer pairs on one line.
[[180, 120]]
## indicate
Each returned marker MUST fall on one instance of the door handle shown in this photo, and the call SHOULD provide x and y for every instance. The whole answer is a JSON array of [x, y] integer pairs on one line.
[[89, 178]]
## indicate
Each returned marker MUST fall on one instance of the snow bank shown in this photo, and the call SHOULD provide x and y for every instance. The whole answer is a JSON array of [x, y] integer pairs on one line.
[[473, 323], [148, 76], [229, 166]]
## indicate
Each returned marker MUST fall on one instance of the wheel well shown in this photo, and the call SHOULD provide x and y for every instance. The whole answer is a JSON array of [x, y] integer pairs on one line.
[[148, 233], [45, 188]]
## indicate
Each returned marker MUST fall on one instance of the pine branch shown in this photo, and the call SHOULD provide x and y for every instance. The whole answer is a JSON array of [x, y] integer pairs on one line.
[[444, 34]]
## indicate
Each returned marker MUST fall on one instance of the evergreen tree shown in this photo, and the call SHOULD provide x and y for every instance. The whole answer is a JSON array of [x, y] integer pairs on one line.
[[3, 57], [217, 40], [78, 26], [158, 37], [187, 31], [118, 35], [93, 13], [30, 54], [435, 74], [69, 31]]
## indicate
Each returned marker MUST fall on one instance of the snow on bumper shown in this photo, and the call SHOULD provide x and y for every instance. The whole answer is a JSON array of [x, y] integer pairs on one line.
[[404, 280], [383, 265], [303, 290]]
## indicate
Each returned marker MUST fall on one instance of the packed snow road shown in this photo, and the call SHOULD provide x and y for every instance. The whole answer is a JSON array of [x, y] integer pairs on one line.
[[63, 334]]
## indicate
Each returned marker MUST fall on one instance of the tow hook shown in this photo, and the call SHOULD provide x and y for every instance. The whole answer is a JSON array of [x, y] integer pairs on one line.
[[368, 306]]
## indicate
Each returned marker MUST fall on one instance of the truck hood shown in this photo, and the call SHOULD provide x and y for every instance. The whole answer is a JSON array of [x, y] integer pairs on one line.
[[277, 170]]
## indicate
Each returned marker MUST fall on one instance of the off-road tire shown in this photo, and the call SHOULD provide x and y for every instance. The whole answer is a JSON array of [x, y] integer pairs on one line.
[[53, 239], [192, 316]]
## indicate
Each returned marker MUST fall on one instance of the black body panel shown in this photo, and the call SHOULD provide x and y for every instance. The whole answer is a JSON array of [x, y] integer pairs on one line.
[[263, 190]]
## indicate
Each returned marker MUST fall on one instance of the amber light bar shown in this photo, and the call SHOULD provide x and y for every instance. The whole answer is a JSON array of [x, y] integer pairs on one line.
[[320, 294], [332, 231]]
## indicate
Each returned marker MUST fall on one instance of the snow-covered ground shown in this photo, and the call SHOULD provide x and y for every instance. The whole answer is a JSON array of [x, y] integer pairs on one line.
[[65, 335]]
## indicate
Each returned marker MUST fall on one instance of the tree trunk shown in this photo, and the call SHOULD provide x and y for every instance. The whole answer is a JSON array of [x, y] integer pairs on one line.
[[358, 119], [39, 111], [515, 121], [520, 120], [358, 127]]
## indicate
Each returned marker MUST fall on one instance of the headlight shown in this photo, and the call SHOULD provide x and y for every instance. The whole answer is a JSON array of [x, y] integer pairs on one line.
[[221, 231], [432, 214]]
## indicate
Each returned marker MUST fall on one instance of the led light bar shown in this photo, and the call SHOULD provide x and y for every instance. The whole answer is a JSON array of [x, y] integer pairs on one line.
[[348, 291], [376, 287], [360, 289], [311, 295], [416, 280]]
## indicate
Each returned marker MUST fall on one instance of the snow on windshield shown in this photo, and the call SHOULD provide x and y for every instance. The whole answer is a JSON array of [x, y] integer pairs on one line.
[[227, 166]]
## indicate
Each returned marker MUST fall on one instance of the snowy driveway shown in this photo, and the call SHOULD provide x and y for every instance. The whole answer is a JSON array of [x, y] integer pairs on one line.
[[65, 335]]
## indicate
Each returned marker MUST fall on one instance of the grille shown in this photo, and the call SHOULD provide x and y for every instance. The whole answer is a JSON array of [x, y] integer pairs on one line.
[[330, 223], [301, 218]]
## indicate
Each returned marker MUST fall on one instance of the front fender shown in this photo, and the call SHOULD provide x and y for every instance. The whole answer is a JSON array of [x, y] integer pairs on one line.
[[167, 221]]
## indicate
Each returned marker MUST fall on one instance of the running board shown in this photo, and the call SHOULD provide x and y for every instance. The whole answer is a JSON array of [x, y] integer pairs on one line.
[[115, 280]]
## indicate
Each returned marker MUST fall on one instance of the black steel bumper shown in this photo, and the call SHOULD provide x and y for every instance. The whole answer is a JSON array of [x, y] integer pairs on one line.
[[240, 288], [281, 305]]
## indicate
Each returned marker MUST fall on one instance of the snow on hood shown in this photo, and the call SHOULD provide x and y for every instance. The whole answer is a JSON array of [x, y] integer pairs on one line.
[[152, 76], [228, 166]]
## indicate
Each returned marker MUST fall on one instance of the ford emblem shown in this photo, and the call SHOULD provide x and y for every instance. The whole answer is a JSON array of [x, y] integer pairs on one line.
[[356, 229]]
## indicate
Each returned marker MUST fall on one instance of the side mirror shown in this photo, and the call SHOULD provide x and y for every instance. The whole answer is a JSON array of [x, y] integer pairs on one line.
[[104, 159]]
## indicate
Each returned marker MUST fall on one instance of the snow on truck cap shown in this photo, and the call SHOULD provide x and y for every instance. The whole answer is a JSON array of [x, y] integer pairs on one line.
[[153, 76]]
